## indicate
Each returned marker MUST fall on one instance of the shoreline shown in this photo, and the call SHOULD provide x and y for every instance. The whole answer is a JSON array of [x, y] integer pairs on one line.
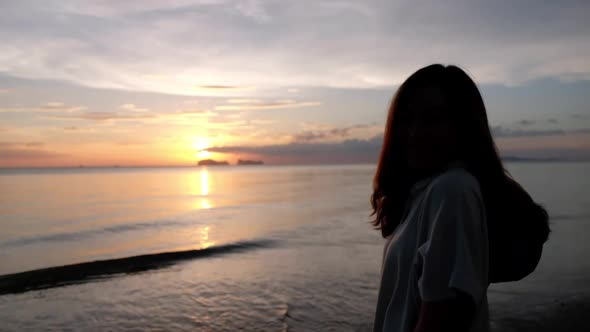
[[78, 273]]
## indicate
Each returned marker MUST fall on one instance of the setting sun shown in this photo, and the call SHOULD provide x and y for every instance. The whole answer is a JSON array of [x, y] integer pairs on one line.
[[201, 145], [203, 154]]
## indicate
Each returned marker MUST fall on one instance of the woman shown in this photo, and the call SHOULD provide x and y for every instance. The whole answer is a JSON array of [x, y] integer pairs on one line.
[[438, 183]]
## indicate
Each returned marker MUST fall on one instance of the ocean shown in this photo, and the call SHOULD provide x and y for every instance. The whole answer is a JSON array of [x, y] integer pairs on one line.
[[253, 248]]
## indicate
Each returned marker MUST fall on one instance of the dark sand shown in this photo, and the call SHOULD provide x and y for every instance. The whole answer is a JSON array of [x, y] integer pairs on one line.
[[571, 314]]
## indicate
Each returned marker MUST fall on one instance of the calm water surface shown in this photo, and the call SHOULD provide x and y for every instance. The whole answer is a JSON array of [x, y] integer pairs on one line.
[[320, 272]]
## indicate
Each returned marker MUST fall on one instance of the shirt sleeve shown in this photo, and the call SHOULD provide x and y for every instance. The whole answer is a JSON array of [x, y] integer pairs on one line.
[[454, 256]]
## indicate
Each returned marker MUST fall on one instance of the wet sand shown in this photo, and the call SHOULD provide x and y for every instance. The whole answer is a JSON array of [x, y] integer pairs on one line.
[[88, 271], [572, 314]]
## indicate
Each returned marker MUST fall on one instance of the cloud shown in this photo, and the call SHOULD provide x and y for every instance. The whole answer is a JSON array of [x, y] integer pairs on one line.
[[53, 105], [523, 128], [525, 122], [221, 90], [221, 87], [133, 108], [261, 105], [315, 145], [129, 112], [27, 154], [330, 133], [231, 46], [104, 116], [59, 106], [262, 122], [69, 109], [500, 131], [20, 144], [101, 9], [34, 144], [565, 154], [24, 151], [191, 102], [50, 107], [579, 131], [198, 112], [351, 149], [243, 101]]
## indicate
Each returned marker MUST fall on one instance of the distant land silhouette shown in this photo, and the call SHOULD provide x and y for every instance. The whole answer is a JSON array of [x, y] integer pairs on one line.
[[241, 162], [249, 162], [211, 162], [515, 158]]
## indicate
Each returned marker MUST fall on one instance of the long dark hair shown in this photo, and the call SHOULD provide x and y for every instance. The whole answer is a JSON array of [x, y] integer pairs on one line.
[[504, 198]]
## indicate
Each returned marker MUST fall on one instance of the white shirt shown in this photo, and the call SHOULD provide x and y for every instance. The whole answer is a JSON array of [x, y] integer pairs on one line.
[[440, 246]]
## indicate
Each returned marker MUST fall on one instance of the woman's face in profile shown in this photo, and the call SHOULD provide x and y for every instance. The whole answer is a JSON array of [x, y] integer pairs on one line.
[[430, 136]]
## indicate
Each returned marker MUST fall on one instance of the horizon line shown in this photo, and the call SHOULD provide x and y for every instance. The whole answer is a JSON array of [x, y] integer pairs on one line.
[[82, 166]]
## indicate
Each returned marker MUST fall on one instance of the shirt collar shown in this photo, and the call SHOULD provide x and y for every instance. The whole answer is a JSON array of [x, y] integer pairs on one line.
[[421, 184]]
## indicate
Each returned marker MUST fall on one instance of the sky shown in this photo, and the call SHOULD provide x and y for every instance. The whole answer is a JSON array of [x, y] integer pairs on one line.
[[170, 82]]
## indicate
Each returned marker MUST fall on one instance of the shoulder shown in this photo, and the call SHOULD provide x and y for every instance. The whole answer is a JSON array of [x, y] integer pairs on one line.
[[454, 197], [455, 182]]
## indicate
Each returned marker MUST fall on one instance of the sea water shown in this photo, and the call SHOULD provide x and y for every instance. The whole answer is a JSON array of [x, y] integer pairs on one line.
[[281, 247]]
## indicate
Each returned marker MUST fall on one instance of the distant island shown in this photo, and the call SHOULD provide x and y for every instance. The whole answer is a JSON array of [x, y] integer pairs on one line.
[[249, 162], [211, 162]]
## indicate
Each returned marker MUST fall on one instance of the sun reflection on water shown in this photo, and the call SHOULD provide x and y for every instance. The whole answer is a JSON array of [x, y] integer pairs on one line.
[[204, 202], [204, 182], [205, 243]]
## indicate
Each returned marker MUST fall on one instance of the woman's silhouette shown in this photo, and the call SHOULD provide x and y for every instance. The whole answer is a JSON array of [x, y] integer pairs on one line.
[[438, 185]]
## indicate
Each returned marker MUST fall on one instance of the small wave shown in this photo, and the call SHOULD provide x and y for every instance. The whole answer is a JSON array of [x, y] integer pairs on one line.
[[85, 272], [190, 220], [72, 236]]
